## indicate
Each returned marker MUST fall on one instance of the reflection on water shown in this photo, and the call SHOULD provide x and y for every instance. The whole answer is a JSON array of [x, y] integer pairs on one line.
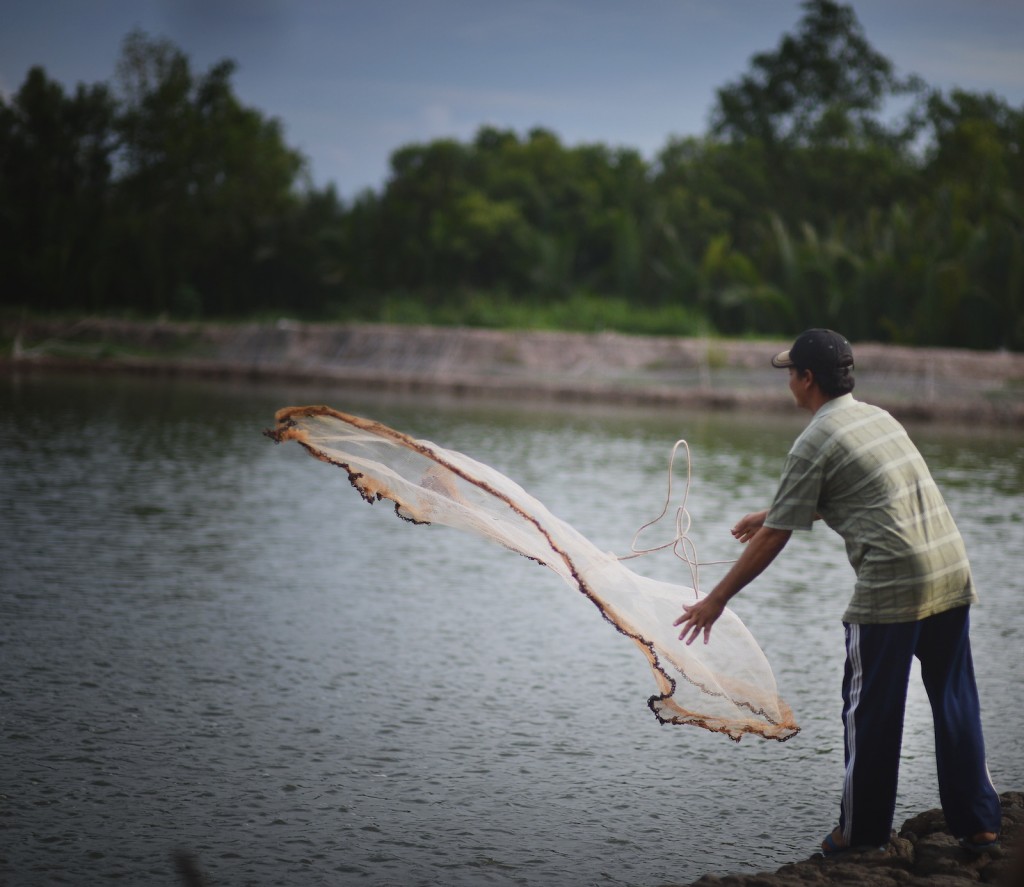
[[210, 642]]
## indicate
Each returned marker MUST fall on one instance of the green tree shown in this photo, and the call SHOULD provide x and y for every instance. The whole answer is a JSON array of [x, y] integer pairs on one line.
[[974, 211], [823, 85], [803, 205], [809, 116], [56, 156], [203, 185]]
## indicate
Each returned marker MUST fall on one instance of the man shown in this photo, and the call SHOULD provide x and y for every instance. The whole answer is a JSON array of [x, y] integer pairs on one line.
[[855, 468]]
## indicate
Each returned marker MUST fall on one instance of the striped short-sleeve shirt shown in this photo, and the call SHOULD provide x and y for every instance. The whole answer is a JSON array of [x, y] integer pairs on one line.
[[856, 467]]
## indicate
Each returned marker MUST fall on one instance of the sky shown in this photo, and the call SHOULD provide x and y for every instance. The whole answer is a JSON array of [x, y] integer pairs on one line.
[[353, 81]]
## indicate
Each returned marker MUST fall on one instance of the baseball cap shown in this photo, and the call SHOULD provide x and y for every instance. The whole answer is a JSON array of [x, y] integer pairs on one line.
[[817, 350]]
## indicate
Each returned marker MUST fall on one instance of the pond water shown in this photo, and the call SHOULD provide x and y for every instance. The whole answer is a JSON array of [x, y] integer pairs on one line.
[[210, 643]]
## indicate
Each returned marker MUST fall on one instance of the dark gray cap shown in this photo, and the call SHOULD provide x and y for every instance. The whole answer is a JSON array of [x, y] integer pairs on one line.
[[817, 350]]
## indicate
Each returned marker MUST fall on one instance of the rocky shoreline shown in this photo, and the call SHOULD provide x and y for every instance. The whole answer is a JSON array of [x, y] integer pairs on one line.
[[923, 853], [923, 384]]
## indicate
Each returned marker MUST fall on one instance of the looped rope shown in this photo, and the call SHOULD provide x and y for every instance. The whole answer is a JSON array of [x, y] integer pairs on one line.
[[683, 547]]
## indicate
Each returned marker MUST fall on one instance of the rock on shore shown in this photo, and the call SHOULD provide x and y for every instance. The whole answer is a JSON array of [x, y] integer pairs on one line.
[[923, 853]]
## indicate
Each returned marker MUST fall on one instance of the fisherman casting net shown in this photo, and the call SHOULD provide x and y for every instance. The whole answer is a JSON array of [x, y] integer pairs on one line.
[[725, 686]]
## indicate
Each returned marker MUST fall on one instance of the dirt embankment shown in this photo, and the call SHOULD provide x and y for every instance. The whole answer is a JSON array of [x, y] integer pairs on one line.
[[915, 383]]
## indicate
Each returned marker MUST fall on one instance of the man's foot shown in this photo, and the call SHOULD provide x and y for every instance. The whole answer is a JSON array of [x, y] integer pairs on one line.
[[981, 842], [834, 843]]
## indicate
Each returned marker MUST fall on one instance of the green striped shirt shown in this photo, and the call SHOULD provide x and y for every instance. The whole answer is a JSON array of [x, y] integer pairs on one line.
[[856, 467]]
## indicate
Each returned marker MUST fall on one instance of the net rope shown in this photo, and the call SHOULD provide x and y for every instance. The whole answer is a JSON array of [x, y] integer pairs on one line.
[[682, 546], [726, 686]]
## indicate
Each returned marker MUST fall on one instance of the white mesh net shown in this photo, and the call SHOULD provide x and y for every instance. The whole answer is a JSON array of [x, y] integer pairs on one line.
[[725, 686]]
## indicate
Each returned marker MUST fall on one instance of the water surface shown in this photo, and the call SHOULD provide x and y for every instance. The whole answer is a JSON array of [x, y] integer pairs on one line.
[[210, 642]]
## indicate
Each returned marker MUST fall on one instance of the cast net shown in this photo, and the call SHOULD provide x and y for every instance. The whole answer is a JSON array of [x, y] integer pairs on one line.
[[726, 686]]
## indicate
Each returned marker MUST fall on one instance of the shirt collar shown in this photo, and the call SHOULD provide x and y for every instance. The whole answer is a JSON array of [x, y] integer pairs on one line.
[[836, 403]]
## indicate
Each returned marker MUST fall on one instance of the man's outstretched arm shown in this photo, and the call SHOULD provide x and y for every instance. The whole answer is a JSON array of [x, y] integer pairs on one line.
[[763, 547]]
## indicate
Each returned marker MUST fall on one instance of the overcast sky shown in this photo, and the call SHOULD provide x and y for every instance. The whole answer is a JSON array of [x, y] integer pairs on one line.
[[352, 81]]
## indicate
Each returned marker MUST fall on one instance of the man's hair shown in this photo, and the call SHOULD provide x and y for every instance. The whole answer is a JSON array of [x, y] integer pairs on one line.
[[834, 381]]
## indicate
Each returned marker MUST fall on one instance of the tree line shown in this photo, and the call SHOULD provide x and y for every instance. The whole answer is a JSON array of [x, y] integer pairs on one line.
[[827, 191]]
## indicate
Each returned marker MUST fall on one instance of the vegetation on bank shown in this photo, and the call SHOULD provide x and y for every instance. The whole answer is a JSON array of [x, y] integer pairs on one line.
[[827, 191]]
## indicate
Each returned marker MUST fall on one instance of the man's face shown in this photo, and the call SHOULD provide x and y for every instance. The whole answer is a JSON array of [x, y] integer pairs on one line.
[[800, 384]]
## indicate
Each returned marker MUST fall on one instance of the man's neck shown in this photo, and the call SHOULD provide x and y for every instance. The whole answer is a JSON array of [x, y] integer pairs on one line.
[[818, 399]]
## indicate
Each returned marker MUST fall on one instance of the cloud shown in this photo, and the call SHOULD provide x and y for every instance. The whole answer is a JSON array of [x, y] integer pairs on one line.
[[978, 67], [436, 118], [257, 28]]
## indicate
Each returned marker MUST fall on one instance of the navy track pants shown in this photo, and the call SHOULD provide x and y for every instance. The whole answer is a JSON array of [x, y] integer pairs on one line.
[[878, 660]]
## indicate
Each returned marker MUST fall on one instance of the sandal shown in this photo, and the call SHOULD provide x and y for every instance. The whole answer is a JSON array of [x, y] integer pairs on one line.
[[830, 847], [979, 847]]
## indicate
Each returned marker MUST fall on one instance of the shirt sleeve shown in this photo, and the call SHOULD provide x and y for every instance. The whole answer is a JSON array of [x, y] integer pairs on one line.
[[796, 500]]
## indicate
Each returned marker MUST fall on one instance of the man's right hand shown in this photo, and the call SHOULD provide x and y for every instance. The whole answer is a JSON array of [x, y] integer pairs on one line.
[[699, 617]]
